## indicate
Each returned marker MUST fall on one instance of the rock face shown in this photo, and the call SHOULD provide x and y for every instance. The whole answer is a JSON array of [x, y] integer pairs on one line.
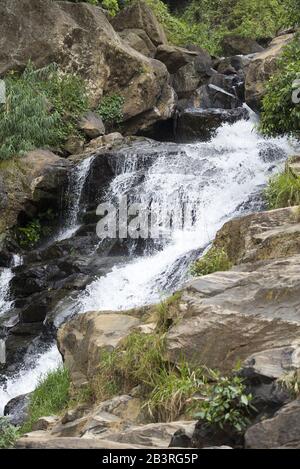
[[261, 68], [79, 38], [81, 341], [261, 236], [280, 432], [174, 57], [238, 45]]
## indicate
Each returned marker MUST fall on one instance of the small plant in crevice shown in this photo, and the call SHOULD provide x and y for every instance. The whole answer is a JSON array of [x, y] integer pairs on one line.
[[111, 109], [166, 313], [225, 403], [291, 382], [28, 236], [215, 260], [283, 190], [8, 434]]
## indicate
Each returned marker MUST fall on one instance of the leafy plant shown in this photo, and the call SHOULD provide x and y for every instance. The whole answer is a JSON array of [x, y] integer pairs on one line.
[[225, 403], [50, 397], [42, 109], [280, 114], [283, 190], [29, 235], [110, 109], [215, 260], [8, 433], [291, 382]]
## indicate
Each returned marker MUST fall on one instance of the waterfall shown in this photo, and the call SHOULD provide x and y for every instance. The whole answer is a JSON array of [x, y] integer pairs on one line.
[[5, 303], [217, 178], [77, 181]]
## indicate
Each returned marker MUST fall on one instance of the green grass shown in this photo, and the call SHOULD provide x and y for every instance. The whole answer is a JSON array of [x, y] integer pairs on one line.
[[8, 434], [51, 397], [283, 190], [215, 260]]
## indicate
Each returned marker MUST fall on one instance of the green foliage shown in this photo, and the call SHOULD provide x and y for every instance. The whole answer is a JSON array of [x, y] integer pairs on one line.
[[283, 190], [166, 312], [291, 382], [29, 235], [111, 5], [280, 114], [42, 109], [8, 434], [215, 260], [110, 109], [225, 403], [50, 397]]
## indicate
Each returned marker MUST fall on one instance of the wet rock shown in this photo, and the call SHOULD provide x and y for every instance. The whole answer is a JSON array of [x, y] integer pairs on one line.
[[238, 45], [202, 124], [182, 438], [189, 77], [212, 96], [17, 409], [212, 435], [280, 432]]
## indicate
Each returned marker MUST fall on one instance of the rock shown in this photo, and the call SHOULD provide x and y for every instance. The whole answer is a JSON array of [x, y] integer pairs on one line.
[[17, 409], [74, 145], [45, 423], [214, 97], [193, 125], [189, 77], [80, 30], [293, 165], [280, 432], [261, 68], [81, 340], [261, 236], [153, 435], [139, 15], [92, 125], [35, 178], [139, 40], [174, 57], [42, 440], [244, 312], [238, 45], [124, 407], [206, 435], [107, 141], [182, 438]]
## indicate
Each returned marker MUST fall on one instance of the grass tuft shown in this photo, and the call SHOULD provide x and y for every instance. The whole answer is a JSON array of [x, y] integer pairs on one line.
[[215, 260], [283, 190]]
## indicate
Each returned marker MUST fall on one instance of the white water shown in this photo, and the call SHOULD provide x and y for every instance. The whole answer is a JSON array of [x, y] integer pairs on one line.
[[217, 177], [78, 179], [5, 277]]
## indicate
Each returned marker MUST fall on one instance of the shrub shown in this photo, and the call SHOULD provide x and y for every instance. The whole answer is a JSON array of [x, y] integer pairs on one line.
[[50, 397], [110, 109], [8, 433], [42, 110], [29, 235], [283, 190], [280, 114], [215, 260], [225, 403]]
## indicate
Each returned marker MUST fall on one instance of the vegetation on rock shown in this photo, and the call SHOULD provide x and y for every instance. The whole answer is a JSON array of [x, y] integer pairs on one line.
[[8, 433], [280, 114], [51, 397], [283, 190], [110, 109], [215, 260]]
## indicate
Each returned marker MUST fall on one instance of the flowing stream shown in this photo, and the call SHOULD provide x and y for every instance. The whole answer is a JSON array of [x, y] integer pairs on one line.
[[220, 179]]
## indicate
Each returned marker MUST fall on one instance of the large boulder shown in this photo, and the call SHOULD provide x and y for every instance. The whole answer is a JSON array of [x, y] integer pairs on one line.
[[261, 68], [261, 236], [139, 15], [238, 45], [174, 57], [79, 37], [139, 40], [81, 341], [280, 432], [232, 315]]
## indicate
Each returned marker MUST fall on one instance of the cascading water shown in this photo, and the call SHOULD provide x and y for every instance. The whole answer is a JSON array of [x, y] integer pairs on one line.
[[77, 182], [217, 178]]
